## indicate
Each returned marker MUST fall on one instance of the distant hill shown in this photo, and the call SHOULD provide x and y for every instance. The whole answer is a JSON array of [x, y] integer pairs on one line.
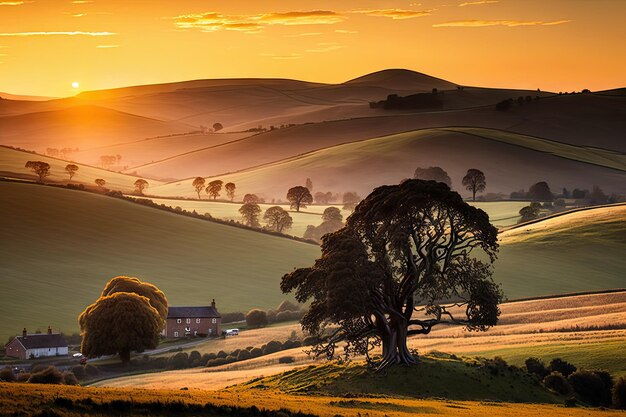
[[402, 79], [8, 96]]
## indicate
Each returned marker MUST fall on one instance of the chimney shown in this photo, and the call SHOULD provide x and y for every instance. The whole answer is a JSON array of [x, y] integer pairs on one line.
[[49, 330], [24, 332], [213, 303]]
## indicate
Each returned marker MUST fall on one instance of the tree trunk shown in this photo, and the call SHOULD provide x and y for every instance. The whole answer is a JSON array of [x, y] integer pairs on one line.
[[473, 194], [125, 356], [395, 351]]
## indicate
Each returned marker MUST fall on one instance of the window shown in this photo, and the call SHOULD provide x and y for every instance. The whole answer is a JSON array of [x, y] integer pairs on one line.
[[188, 321], [197, 320], [175, 334], [214, 321], [178, 321]]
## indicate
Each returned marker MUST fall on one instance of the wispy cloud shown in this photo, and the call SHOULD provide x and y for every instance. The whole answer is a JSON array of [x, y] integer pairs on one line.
[[213, 21], [477, 3], [325, 47], [396, 14], [82, 1], [13, 3], [350, 32], [507, 23], [73, 33], [297, 35], [107, 46], [285, 56]]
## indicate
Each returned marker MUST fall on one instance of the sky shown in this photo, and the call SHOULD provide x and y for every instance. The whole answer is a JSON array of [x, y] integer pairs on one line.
[[555, 45]]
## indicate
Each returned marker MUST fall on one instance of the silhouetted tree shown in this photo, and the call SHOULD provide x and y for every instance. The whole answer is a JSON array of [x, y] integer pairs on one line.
[[332, 214], [250, 213], [323, 198], [540, 192], [309, 185], [100, 182], [214, 188], [230, 190], [141, 185], [404, 246], [332, 220], [71, 170], [350, 200], [597, 196], [433, 174], [217, 127], [299, 197], [120, 321], [198, 185], [530, 212], [251, 198], [277, 219], [474, 181], [42, 169], [256, 318]]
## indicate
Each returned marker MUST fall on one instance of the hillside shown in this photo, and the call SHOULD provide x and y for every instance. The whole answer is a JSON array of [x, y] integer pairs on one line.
[[80, 240], [509, 161], [13, 161]]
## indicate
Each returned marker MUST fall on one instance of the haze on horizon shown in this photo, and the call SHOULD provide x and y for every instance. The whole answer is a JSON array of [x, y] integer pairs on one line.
[[563, 45]]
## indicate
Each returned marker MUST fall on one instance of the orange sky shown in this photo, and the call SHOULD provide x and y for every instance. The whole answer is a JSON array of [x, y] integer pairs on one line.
[[45, 45]]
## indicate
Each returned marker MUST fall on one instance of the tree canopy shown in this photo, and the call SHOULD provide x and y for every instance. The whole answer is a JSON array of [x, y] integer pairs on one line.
[[251, 198], [250, 214], [406, 249], [277, 219], [100, 182], [350, 200], [145, 289], [433, 174], [42, 169], [475, 182], [214, 188], [230, 190], [198, 185], [540, 192], [141, 185], [299, 197], [71, 170]]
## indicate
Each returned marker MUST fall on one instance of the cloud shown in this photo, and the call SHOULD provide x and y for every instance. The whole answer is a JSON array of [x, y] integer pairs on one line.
[[106, 46], [287, 56], [325, 47], [350, 32], [396, 14], [13, 3], [213, 21], [82, 2], [507, 23], [479, 2], [73, 33], [297, 35]]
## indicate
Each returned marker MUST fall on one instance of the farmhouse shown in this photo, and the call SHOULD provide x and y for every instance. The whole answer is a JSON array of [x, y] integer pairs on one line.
[[30, 346], [192, 321]]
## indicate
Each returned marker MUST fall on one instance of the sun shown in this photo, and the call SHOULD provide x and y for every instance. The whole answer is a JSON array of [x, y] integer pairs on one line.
[[75, 84]]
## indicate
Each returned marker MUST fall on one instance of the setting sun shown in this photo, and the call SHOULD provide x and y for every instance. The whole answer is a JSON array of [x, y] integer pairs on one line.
[[75, 84]]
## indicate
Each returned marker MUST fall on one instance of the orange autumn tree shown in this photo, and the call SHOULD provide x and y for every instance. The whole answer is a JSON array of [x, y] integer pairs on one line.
[[128, 316]]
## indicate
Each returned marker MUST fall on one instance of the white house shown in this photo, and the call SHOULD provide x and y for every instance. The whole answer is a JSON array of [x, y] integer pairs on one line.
[[30, 346]]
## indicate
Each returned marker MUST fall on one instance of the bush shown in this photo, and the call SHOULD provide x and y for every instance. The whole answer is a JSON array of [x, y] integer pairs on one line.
[[286, 359], [91, 370], [310, 341], [69, 378], [563, 367], [7, 375], [221, 354], [216, 362], [78, 371], [22, 377], [271, 316], [195, 356], [178, 361], [557, 383], [256, 318], [287, 306], [211, 356], [273, 347], [204, 359], [256, 352], [244, 355], [619, 394], [589, 386], [233, 317], [235, 352], [230, 359], [288, 316], [50, 375], [535, 366]]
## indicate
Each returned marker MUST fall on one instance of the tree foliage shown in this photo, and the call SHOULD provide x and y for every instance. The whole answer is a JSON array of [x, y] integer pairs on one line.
[[299, 197], [134, 285], [230, 190], [100, 182], [256, 318], [214, 188], [309, 184], [251, 198], [350, 200], [71, 169], [250, 213], [198, 185], [530, 212], [217, 126], [277, 219], [323, 198], [433, 174], [141, 185], [475, 182], [404, 246], [332, 214], [42, 169], [540, 192]]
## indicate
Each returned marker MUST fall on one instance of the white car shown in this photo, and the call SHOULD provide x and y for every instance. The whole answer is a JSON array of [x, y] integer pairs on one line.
[[78, 355], [232, 332]]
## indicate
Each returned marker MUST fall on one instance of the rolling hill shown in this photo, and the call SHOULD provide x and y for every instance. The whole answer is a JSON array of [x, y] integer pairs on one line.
[[510, 162]]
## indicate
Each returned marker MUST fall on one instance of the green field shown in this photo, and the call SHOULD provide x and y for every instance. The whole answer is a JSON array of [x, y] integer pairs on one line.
[[59, 248]]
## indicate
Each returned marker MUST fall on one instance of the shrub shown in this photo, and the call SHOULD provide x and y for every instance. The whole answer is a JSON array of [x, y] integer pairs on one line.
[[535, 366], [22, 377], [38, 368], [211, 356], [286, 359], [230, 359], [310, 341], [69, 378], [287, 306], [216, 362], [256, 352], [256, 318], [244, 355], [178, 361], [619, 394], [221, 354], [557, 383], [50, 375], [563, 367], [288, 316], [271, 316], [91, 370], [7, 375], [272, 347], [296, 344], [204, 359], [78, 371], [235, 352], [195, 356], [233, 317], [589, 386]]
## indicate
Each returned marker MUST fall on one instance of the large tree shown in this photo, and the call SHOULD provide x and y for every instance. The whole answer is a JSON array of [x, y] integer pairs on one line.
[[141, 185], [251, 198], [42, 169], [540, 192], [250, 213], [129, 315], [230, 190], [403, 264], [299, 197], [432, 174], [198, 185], [71, 170], [214, 188], [277, 219], [475, 182]]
